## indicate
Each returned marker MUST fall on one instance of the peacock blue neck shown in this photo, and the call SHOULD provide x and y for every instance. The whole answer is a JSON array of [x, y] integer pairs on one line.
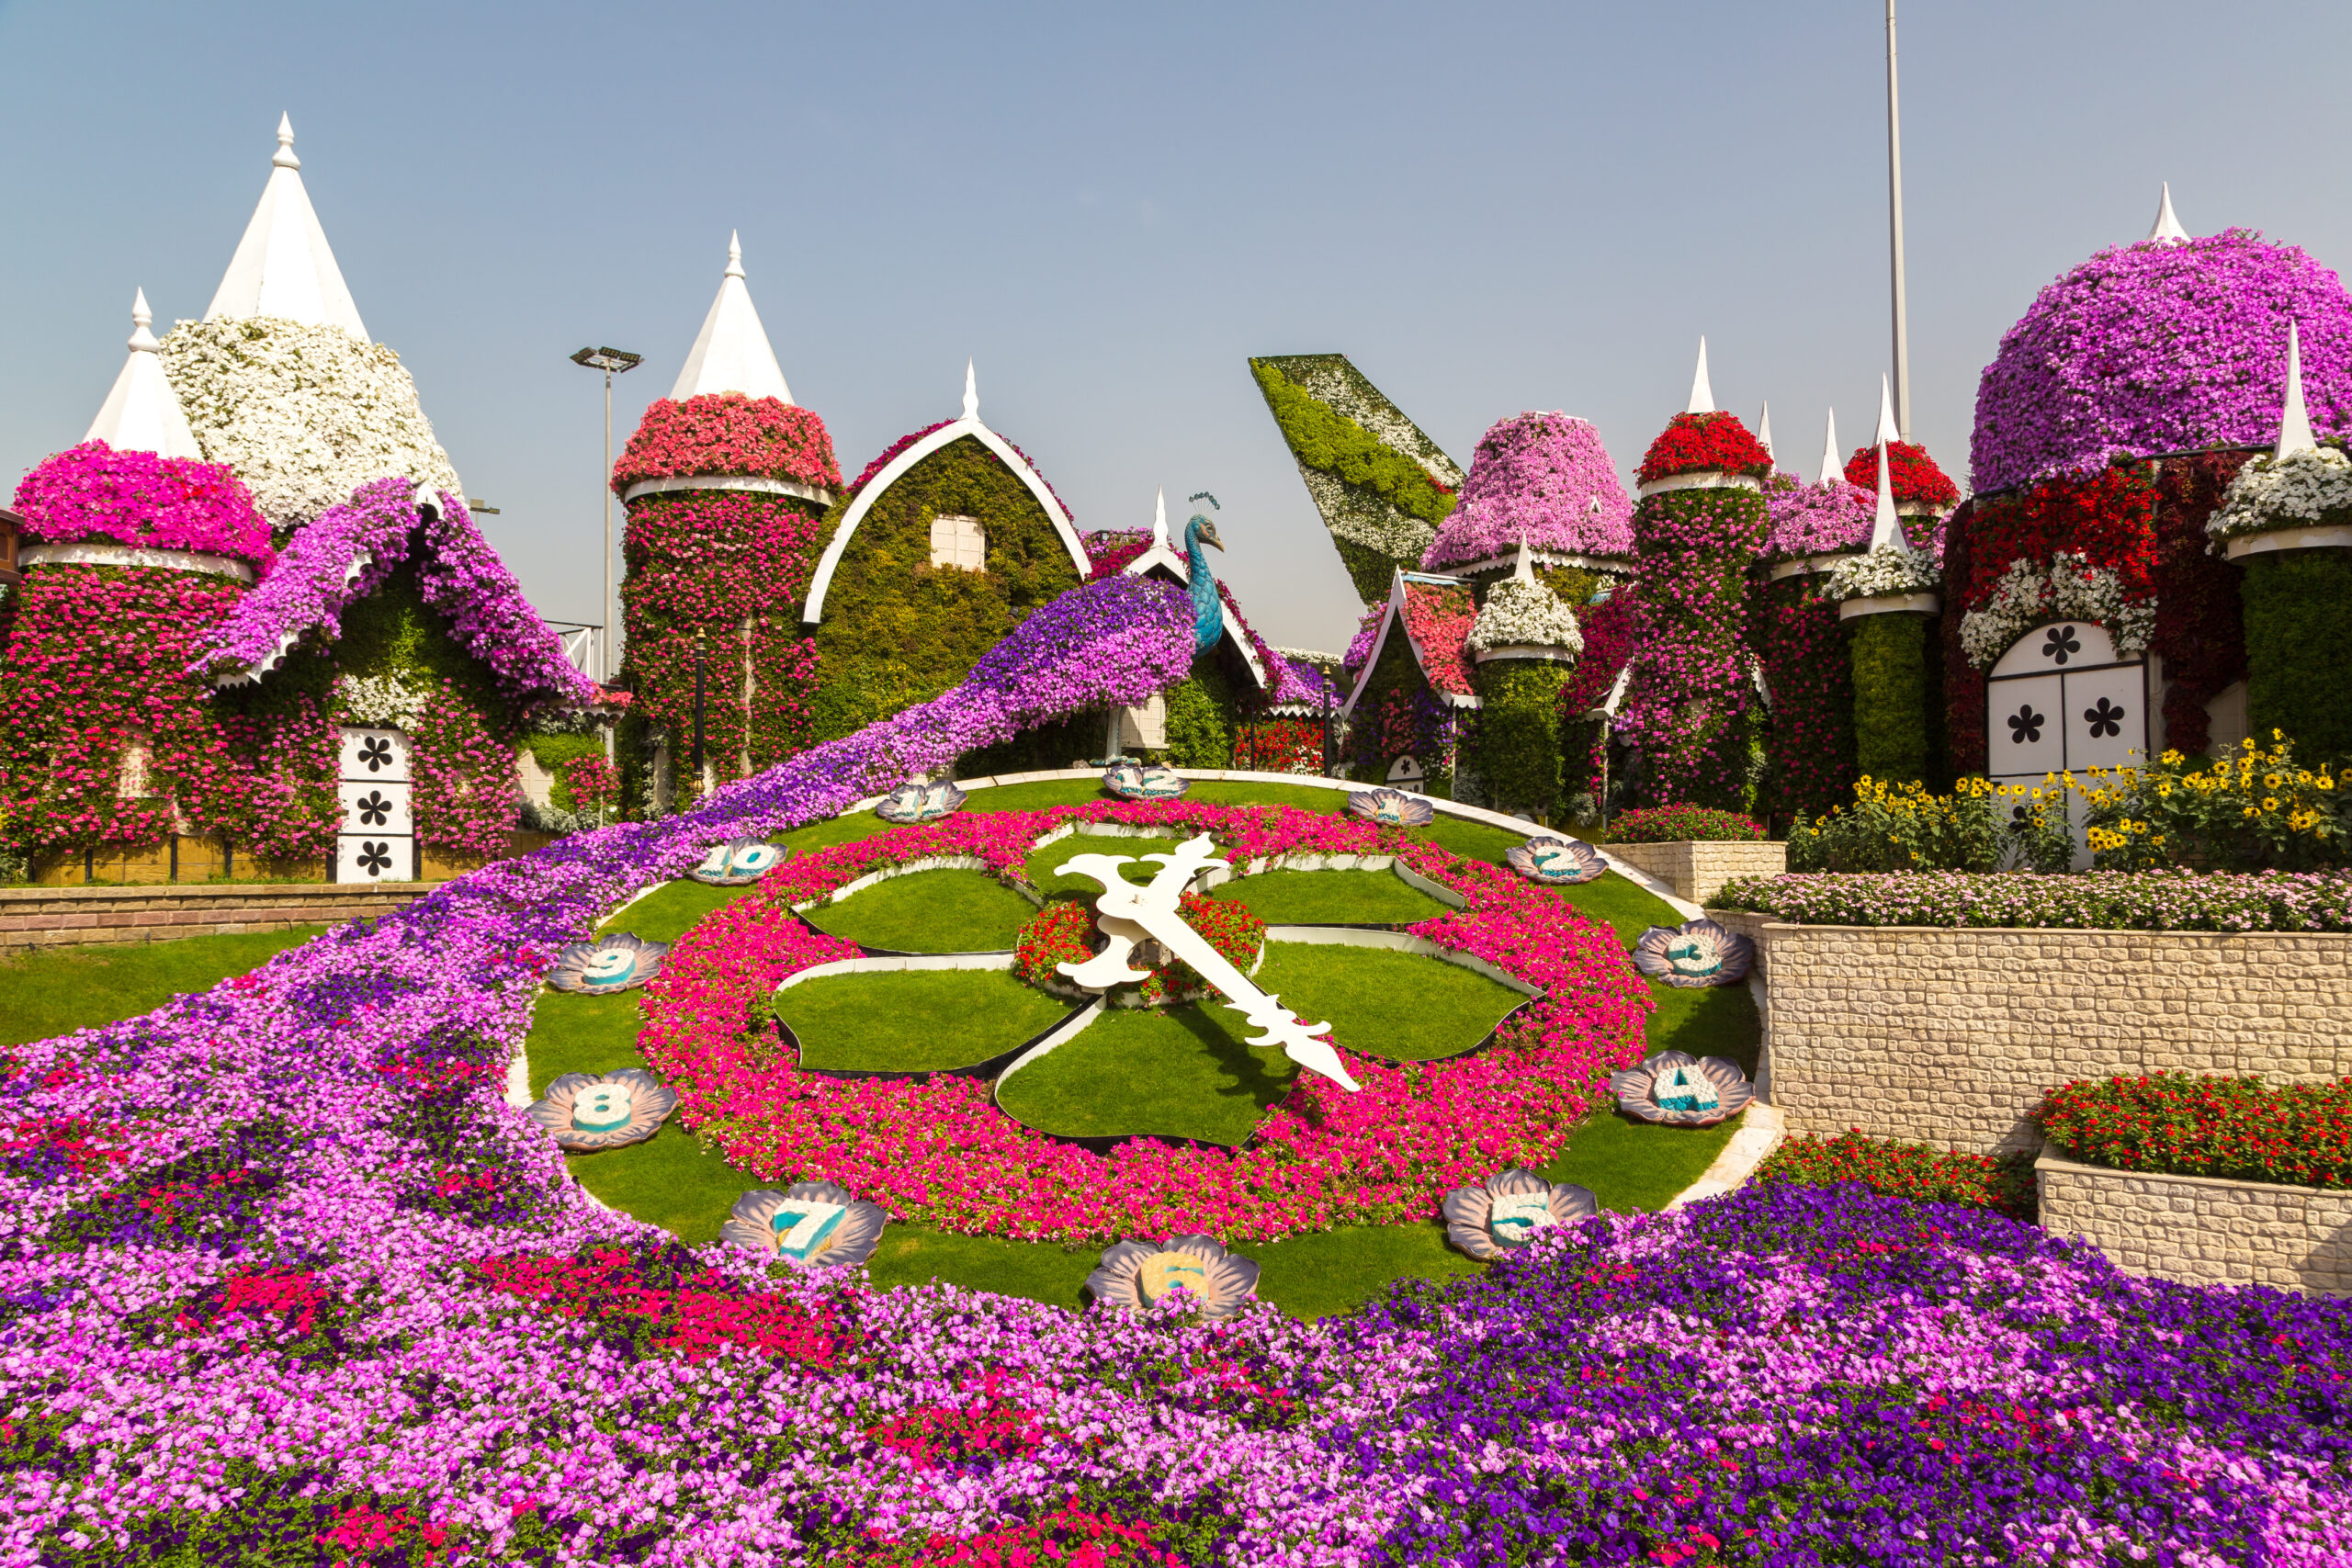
[[1208, 612]]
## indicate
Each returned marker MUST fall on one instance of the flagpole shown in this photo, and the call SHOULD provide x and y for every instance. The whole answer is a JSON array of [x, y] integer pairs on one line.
[[1894, 218]]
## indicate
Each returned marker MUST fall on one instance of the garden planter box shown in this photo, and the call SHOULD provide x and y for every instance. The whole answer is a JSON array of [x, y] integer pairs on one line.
[[48, 916], [1952, 1035], [2200, 1229], [1695, 869]]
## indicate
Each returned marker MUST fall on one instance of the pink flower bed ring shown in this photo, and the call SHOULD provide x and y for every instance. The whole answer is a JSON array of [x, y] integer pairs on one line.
[[739, 863], [1135, 780], [1391, 809], [916, 801], [583, 1111], [1144, 1273], [620, 961], [1681, 1090], [1698, 952], [935, 1149], [1509, 1208], [811, 1224], [1556, 862]]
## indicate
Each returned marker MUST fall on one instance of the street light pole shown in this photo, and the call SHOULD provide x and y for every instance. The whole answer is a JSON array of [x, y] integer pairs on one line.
[[1895, 226], [612, 362]]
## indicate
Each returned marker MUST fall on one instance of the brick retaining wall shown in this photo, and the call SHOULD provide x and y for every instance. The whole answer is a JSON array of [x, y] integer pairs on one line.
[[45, 917], [1952, 1036], [1696, 869], [2202, 1230]]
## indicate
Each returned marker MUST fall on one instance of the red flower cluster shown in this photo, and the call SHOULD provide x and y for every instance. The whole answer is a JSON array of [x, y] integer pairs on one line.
[[1071, 1537], [1917, 479], [1906, 1170], [1439, 620], [2236, 1129], [1280, 745], [1677, 824], [2108, 518], [1694, 443], [2200, 626], [667, 1302], [1066, 933], [941, 1437], [727, 434], [1803, 646]]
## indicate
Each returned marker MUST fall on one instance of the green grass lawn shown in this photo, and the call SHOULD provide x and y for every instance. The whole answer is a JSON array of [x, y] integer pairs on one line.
[[671, 910], [1479, 841], [574, 1034], [1330, 897], [1364, 992], [50, 991], [1184, 1073], [1045, 879], [1038, 795], [1628, 906], [834, 831], [916, 1020], [930, 911]]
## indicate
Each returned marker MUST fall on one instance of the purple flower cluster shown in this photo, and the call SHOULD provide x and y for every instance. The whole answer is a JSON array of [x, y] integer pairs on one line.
[[345, 553], [2161, 346], [1790, 1375], [93, 491], [1543, 477], [2094, 900]]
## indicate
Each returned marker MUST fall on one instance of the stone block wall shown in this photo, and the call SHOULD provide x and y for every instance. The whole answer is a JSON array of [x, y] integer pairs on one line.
[[49, 917], [1952, 1036], [2200, 1230], [1696, 869]]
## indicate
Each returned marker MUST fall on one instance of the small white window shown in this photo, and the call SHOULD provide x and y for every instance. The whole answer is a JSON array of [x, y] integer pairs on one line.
[[958, 542]]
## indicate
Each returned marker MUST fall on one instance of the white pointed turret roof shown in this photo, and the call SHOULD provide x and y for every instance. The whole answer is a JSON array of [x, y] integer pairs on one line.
[[1160, 520], [2294, 421], [1831, 467], [1886, 430], [2166, 226], [283, 266], [143, 413], [731, 353], [971, 392], [1764, 429], [1886, 529], [1703, 396]]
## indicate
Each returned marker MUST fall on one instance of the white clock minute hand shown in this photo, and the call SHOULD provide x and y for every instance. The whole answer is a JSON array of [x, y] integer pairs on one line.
[[1301, 1042]]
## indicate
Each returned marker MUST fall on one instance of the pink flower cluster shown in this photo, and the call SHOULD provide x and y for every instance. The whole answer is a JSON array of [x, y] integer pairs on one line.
[[1439, 620], [1544, 478], [939, 1150], [93, 491], [1815, 519], [726, 434]]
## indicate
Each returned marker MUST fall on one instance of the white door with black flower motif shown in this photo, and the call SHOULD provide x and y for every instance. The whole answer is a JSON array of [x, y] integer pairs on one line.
[[2062, 698], [377, 839]]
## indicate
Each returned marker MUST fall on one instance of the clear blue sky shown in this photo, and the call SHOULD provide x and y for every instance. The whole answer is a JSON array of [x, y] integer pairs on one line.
[[1489, 208]]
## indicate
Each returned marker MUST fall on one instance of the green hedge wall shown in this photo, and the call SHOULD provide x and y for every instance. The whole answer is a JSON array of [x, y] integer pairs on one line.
[[898, 630], [1331, 443], [2298, 628], [1202, 714], [1894, 697], [1515, 746]]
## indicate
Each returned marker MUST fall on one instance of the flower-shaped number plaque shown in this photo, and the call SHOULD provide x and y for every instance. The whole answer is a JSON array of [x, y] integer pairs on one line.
[[1509, 1209], [1391, 807], [1131, 780], [1139, 1273], [916, 801], [614, 962], [738, 862], [812, 1225], [584, 1112], [1682, 1091], [1698, 952], [1556, 862]]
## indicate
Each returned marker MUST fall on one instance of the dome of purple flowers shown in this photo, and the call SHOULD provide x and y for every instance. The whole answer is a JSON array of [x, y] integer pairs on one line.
[[2168, 345], [1544, 476]]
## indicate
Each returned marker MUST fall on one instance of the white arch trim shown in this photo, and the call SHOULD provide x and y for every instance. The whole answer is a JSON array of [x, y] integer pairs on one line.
[[1392, 619], [954, 431]]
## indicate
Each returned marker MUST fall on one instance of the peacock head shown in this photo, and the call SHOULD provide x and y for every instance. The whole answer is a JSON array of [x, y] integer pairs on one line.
[[1200, 530]]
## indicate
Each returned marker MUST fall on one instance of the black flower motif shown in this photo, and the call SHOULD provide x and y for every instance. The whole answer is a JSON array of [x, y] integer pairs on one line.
[[2104, 719], [375, 859], [377, 752], [373, 809], [2025, 725], [2063, 644]]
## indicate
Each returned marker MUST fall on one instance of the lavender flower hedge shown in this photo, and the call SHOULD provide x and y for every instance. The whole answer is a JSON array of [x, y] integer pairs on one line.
[[283, 1281], [2095, 900]]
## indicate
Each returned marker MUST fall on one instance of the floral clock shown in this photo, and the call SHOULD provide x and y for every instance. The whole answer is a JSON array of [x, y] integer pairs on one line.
[[1695, 953], [1135, 780], [738, 862], [616, 963], [1682, 1091], [1066, 933], [1556, 862], [1508, 1210], [811, 1225], [1391, 807], [1141, 1273], [916, 801], [583, 1111]]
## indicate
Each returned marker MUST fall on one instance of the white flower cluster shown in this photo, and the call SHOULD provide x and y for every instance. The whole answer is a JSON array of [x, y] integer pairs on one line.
[[378, 700], [1892, 569], [304, 414], [1524, 614], [2072, 590], [2297, 492], [1361, 518]]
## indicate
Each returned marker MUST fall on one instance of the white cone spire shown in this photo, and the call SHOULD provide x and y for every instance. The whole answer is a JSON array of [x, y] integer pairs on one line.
[[1764, 429], [731, 353], [283, 267], [2166, 226], [971, 392], [1160, 520], [1525, 570], [2294, 423], [1886, 528], [1703, 396], [1831, 467], [1886, 431], [143, 413]]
